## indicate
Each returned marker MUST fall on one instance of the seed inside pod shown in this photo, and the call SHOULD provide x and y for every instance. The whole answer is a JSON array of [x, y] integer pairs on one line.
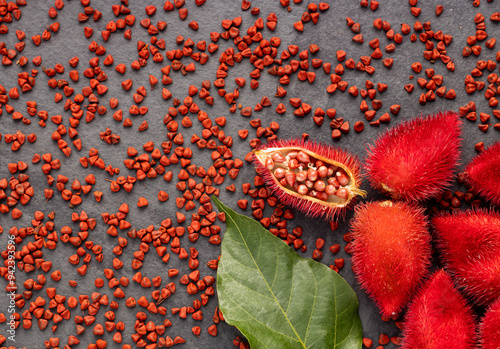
[[319, 180]]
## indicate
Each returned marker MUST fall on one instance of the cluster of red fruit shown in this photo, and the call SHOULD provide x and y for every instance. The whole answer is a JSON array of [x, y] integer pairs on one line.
[[391, 248]]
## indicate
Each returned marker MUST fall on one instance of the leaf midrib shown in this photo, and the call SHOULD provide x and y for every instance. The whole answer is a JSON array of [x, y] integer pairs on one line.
[[263, 278]]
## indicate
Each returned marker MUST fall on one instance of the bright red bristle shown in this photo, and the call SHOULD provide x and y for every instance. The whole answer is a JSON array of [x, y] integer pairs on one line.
[[439, 317], [390, 252], [483, 174], [489, 328], [312, 208], [469, 243], [415, 160]]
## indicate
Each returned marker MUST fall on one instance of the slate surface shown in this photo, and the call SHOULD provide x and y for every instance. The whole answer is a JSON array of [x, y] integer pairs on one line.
[[331, 34]]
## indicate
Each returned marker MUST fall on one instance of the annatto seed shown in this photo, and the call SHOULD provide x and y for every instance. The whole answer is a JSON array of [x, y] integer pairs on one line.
[[325, 179], [359, 126]]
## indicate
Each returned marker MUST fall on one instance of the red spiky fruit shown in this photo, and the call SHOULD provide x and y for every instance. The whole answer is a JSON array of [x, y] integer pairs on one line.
[[489, 328], [469, 244], [390, 252], [483, 174], [439, 317], [415, 160], [317, 179]]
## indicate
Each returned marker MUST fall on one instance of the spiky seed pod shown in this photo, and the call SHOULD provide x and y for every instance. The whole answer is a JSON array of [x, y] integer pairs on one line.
[[390, 252], [439, 317], [483, 174], [489, 328], [317, 179], [415, 160], [469, 245]]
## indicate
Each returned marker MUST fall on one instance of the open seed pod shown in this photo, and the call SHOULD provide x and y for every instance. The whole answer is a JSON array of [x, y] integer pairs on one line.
[[317, 179]]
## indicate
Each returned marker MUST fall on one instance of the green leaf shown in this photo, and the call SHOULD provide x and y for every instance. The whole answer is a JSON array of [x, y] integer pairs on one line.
[[278, 299]]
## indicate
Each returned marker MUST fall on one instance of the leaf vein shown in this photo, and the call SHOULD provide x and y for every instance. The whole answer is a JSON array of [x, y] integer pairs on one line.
[[261, 323], [276, 266], [291, 293], [250, 289], [314, 303]]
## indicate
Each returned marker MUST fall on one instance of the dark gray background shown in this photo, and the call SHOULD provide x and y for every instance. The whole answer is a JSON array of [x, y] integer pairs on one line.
[[331, 34]]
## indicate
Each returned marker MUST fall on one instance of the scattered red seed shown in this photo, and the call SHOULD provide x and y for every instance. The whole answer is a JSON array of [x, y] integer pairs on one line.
[[189, 121]]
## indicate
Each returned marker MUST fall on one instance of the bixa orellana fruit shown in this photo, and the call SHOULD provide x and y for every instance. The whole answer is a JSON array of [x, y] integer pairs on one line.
[[482, 174], [390, 252], [469, 246], [415, 160], [317, 179], [439, 317], [489, 328]]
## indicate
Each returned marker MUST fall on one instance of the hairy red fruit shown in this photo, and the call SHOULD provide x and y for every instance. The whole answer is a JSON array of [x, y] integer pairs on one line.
[[483, 176], [415, 160], [439, 317], [489, 328], [317, 179], [469, 243], [390, 252]]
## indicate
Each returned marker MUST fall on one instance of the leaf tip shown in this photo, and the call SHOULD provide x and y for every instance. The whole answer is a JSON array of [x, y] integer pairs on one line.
[[217, 202]]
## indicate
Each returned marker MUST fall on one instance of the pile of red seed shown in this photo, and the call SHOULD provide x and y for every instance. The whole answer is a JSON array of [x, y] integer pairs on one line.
[[83, 95]]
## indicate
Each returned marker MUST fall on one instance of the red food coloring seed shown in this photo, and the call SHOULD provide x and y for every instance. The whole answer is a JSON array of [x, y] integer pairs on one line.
[[258, 43]]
